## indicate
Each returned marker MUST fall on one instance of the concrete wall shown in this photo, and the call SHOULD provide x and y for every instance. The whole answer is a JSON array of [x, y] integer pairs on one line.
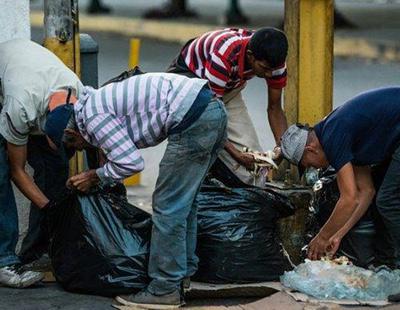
[[14, 19]]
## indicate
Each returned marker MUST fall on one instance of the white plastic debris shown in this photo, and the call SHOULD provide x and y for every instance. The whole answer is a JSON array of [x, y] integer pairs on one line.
[[327, 279]]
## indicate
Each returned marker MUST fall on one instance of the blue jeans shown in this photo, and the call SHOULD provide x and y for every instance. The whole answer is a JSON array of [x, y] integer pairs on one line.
[[188, 157], [8, 212]]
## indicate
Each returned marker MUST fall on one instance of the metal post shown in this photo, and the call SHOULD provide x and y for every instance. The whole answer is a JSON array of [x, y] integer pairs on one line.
[[61, 25], [308, 96], [309, 27]]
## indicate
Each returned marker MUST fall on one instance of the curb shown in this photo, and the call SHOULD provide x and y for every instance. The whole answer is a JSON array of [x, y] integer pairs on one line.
[[182, 32], [367, 49], [166, 31]]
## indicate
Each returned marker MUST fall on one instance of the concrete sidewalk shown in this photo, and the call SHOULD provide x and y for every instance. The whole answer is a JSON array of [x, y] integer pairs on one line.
[[376, 38]]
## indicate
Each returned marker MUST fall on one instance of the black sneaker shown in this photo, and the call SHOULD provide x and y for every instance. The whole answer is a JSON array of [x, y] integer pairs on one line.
[[16, 276], [147, 300]]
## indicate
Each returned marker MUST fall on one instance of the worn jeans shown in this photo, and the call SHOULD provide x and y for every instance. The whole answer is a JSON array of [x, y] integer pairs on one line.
[[8, 212], [50, 175], [388, 202], [187, 159]]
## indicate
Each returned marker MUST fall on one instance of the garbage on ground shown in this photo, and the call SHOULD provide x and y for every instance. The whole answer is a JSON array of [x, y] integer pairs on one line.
[[237, 234], [326, 279], [99, 244]]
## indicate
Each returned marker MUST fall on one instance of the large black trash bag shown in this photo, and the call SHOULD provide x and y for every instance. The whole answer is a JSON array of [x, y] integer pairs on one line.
[[359, 244], [237, 234], [99, 244]]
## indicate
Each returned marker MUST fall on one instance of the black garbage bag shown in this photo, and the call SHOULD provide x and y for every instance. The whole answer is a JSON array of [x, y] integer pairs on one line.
[[360, 243], [237, 234], [124, 75], [99, 244]]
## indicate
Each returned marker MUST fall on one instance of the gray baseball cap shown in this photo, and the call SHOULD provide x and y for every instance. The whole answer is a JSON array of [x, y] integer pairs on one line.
[[293, 142]]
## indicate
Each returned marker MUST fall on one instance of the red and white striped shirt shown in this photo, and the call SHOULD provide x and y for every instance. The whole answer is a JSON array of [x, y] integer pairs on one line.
[[219, 57]]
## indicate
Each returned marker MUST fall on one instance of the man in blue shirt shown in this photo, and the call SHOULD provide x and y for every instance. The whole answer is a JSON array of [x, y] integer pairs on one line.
[[362, 132]]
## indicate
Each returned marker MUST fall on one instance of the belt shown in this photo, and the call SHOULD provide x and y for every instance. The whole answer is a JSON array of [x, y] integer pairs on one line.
[[199, 105]]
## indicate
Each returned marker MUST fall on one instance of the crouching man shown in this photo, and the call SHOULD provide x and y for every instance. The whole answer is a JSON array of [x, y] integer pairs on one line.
[[139, 112], [362, 132]]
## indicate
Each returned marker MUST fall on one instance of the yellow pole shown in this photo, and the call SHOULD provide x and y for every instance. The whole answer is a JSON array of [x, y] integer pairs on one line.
[[308, 96], [134, 53], [309, 27], [62, 38], [132, 62]]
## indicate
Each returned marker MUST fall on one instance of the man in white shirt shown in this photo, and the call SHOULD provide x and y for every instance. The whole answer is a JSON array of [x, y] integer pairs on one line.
[[32, 78]]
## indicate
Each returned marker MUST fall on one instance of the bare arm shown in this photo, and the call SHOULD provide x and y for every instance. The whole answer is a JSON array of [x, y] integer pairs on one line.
[[17, 158], [243, 159], [366, 193], [347, 203], [276, 116]]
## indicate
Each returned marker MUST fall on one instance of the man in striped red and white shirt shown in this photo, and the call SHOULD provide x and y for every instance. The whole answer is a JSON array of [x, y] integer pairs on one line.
[[136, 113], [228, 59]]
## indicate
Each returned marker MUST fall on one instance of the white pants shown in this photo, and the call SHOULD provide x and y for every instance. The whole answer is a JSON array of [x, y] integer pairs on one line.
[[241, 133]]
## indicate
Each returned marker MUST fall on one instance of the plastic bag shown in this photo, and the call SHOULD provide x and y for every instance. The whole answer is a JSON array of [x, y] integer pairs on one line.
[[99, 244], [328, 280], [237, 234], [124, 75]]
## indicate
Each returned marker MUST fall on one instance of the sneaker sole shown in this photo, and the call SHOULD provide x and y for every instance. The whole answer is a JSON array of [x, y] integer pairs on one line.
[[26, 284], [147, 306]]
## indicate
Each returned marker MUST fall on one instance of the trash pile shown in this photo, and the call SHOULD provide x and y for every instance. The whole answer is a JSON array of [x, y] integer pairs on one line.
[[237, 234], [328, 279]]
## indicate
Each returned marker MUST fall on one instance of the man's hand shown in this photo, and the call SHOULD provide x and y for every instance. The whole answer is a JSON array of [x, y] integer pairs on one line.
[[246, 160], [334, 241], [84, 181], [318, 247]]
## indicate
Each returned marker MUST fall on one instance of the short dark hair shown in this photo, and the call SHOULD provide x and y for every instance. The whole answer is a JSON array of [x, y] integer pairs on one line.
[[269, 44]]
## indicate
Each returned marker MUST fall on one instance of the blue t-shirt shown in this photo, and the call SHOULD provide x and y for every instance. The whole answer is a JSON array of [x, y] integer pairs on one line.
[[365, 130]]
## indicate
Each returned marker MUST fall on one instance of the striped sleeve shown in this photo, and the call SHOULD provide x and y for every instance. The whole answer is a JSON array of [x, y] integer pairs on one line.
[[217, 72], [123, 157], [279, 77]]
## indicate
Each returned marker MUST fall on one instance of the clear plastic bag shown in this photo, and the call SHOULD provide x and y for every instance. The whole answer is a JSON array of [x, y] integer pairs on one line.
[[328, 280]]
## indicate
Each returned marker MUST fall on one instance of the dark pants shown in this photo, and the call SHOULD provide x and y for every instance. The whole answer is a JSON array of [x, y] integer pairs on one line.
[[8, 212], [388, 202], [50, 175]]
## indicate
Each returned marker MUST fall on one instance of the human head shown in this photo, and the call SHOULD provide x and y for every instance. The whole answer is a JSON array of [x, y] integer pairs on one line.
[[61, 129], [266, 51], [57, 119], [300, 145], [72, 138]]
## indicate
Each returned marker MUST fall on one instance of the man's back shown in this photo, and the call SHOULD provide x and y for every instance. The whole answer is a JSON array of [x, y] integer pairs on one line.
[[29, 74], [365, 130], [148, 105], [220, 57]]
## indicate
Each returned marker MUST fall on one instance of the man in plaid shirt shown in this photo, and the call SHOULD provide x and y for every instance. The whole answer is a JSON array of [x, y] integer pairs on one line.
[[228, 59]]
